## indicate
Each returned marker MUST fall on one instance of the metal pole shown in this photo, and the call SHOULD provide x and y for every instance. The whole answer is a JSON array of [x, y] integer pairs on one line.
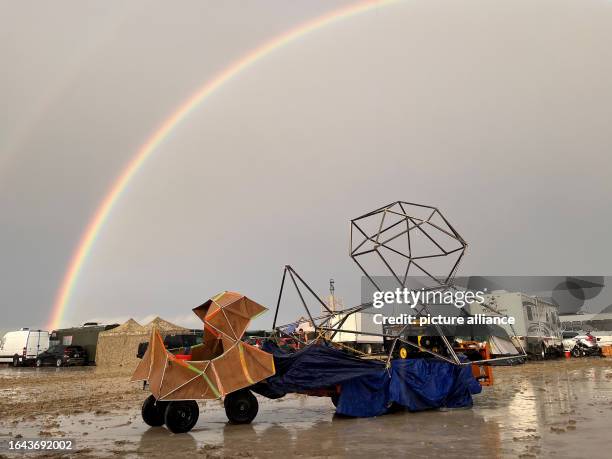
[[280, 294], [292, 271], [302, 298]]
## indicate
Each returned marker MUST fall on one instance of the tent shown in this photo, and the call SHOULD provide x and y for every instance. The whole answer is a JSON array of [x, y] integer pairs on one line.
[[118, 347], [164, 327]]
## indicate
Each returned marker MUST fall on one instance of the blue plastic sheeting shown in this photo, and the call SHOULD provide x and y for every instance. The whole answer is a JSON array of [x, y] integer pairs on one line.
[[314, 367], [414, 384], [367, 388]]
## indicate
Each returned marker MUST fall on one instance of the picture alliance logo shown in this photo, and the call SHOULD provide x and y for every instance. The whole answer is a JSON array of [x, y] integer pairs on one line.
[[412, 298]]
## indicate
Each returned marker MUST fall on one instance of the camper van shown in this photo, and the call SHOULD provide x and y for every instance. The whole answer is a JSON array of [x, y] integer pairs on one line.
[[21, 347], [537, 328]]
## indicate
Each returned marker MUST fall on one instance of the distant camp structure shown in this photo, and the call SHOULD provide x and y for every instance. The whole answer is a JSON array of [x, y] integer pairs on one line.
[[118, 347], [85, 336], [164, 327]]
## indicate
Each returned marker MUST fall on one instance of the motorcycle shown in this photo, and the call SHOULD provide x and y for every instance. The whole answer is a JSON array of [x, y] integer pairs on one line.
[[581, 345]]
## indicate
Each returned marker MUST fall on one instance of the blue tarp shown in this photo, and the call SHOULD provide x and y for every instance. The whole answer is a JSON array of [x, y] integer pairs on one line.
[[315, 367], [414, 384], [367, 388]]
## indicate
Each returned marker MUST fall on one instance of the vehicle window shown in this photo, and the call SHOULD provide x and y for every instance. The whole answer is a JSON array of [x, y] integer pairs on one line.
[[173, 341], [192, 340], [567, 335], [529, 313]]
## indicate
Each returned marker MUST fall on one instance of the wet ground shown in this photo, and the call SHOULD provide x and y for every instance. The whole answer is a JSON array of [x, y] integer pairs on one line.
[[557, 408]]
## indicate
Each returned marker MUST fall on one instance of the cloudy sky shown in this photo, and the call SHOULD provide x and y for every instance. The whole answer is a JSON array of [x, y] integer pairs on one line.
[[496, 112]]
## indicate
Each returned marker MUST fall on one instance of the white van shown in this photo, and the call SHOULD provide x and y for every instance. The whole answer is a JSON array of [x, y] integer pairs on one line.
[[21, 347]]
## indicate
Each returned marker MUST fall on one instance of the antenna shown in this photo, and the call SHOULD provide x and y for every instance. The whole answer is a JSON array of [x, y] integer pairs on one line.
[[332, 299]]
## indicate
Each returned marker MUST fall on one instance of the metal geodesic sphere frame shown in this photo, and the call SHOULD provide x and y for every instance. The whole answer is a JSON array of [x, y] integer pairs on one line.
[[412, 234]]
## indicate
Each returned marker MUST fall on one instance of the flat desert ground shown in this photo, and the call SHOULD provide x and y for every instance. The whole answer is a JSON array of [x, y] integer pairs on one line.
[[558, 408]]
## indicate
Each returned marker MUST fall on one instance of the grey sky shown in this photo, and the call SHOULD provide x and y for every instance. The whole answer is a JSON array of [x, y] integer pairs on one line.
[[497, 112]]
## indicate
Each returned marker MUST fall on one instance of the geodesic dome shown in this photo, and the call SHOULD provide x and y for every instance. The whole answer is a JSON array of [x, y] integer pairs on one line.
[[406, 240]]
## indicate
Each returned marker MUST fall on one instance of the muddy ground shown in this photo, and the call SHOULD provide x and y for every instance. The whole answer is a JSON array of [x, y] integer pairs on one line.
[[557, 408]]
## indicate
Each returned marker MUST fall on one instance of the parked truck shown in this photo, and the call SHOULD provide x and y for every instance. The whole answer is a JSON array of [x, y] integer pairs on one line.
[[85, 336], [360, 322], [537, 328], [22, 347]]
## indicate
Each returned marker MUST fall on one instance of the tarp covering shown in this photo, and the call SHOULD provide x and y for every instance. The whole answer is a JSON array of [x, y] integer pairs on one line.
[[500, 346], [367, 388], [414, 384], [315, 367]]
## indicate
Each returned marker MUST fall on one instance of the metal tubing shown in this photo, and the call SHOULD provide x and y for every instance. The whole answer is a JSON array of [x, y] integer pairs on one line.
[[302, 298], [280, 294]]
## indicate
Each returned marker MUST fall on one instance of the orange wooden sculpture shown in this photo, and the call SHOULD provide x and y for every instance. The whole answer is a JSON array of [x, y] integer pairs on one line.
[[220, 365]]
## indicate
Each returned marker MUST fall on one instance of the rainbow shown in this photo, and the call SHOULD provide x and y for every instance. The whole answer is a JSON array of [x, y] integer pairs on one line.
[[103, 211]]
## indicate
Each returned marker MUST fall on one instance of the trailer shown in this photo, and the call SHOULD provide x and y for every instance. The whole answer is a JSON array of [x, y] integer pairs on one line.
[[363, 323], [537, 328], [85, 336]]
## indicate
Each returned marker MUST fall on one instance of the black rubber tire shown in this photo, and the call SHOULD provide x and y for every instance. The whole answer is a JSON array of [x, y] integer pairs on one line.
[[152, 412], [576, 352], [16, 362], [335, 399], [543, 352], [241, 406], [39, 363], [59, 363], [181, 415]]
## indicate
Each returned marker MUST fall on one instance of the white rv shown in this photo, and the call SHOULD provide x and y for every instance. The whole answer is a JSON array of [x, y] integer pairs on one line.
[[537, 327], [21, 347]]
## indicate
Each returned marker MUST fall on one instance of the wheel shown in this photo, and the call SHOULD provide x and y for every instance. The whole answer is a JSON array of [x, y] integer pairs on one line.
[[576, 352], [153, 411], [543, 352], [367, 349], [181, 416], [59, 363], [39, 363], [335, 399], [241, 407], [16, 362]]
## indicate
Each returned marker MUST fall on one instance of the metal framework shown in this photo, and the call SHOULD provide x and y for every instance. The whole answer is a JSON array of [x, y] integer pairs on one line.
[[405, 239]]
